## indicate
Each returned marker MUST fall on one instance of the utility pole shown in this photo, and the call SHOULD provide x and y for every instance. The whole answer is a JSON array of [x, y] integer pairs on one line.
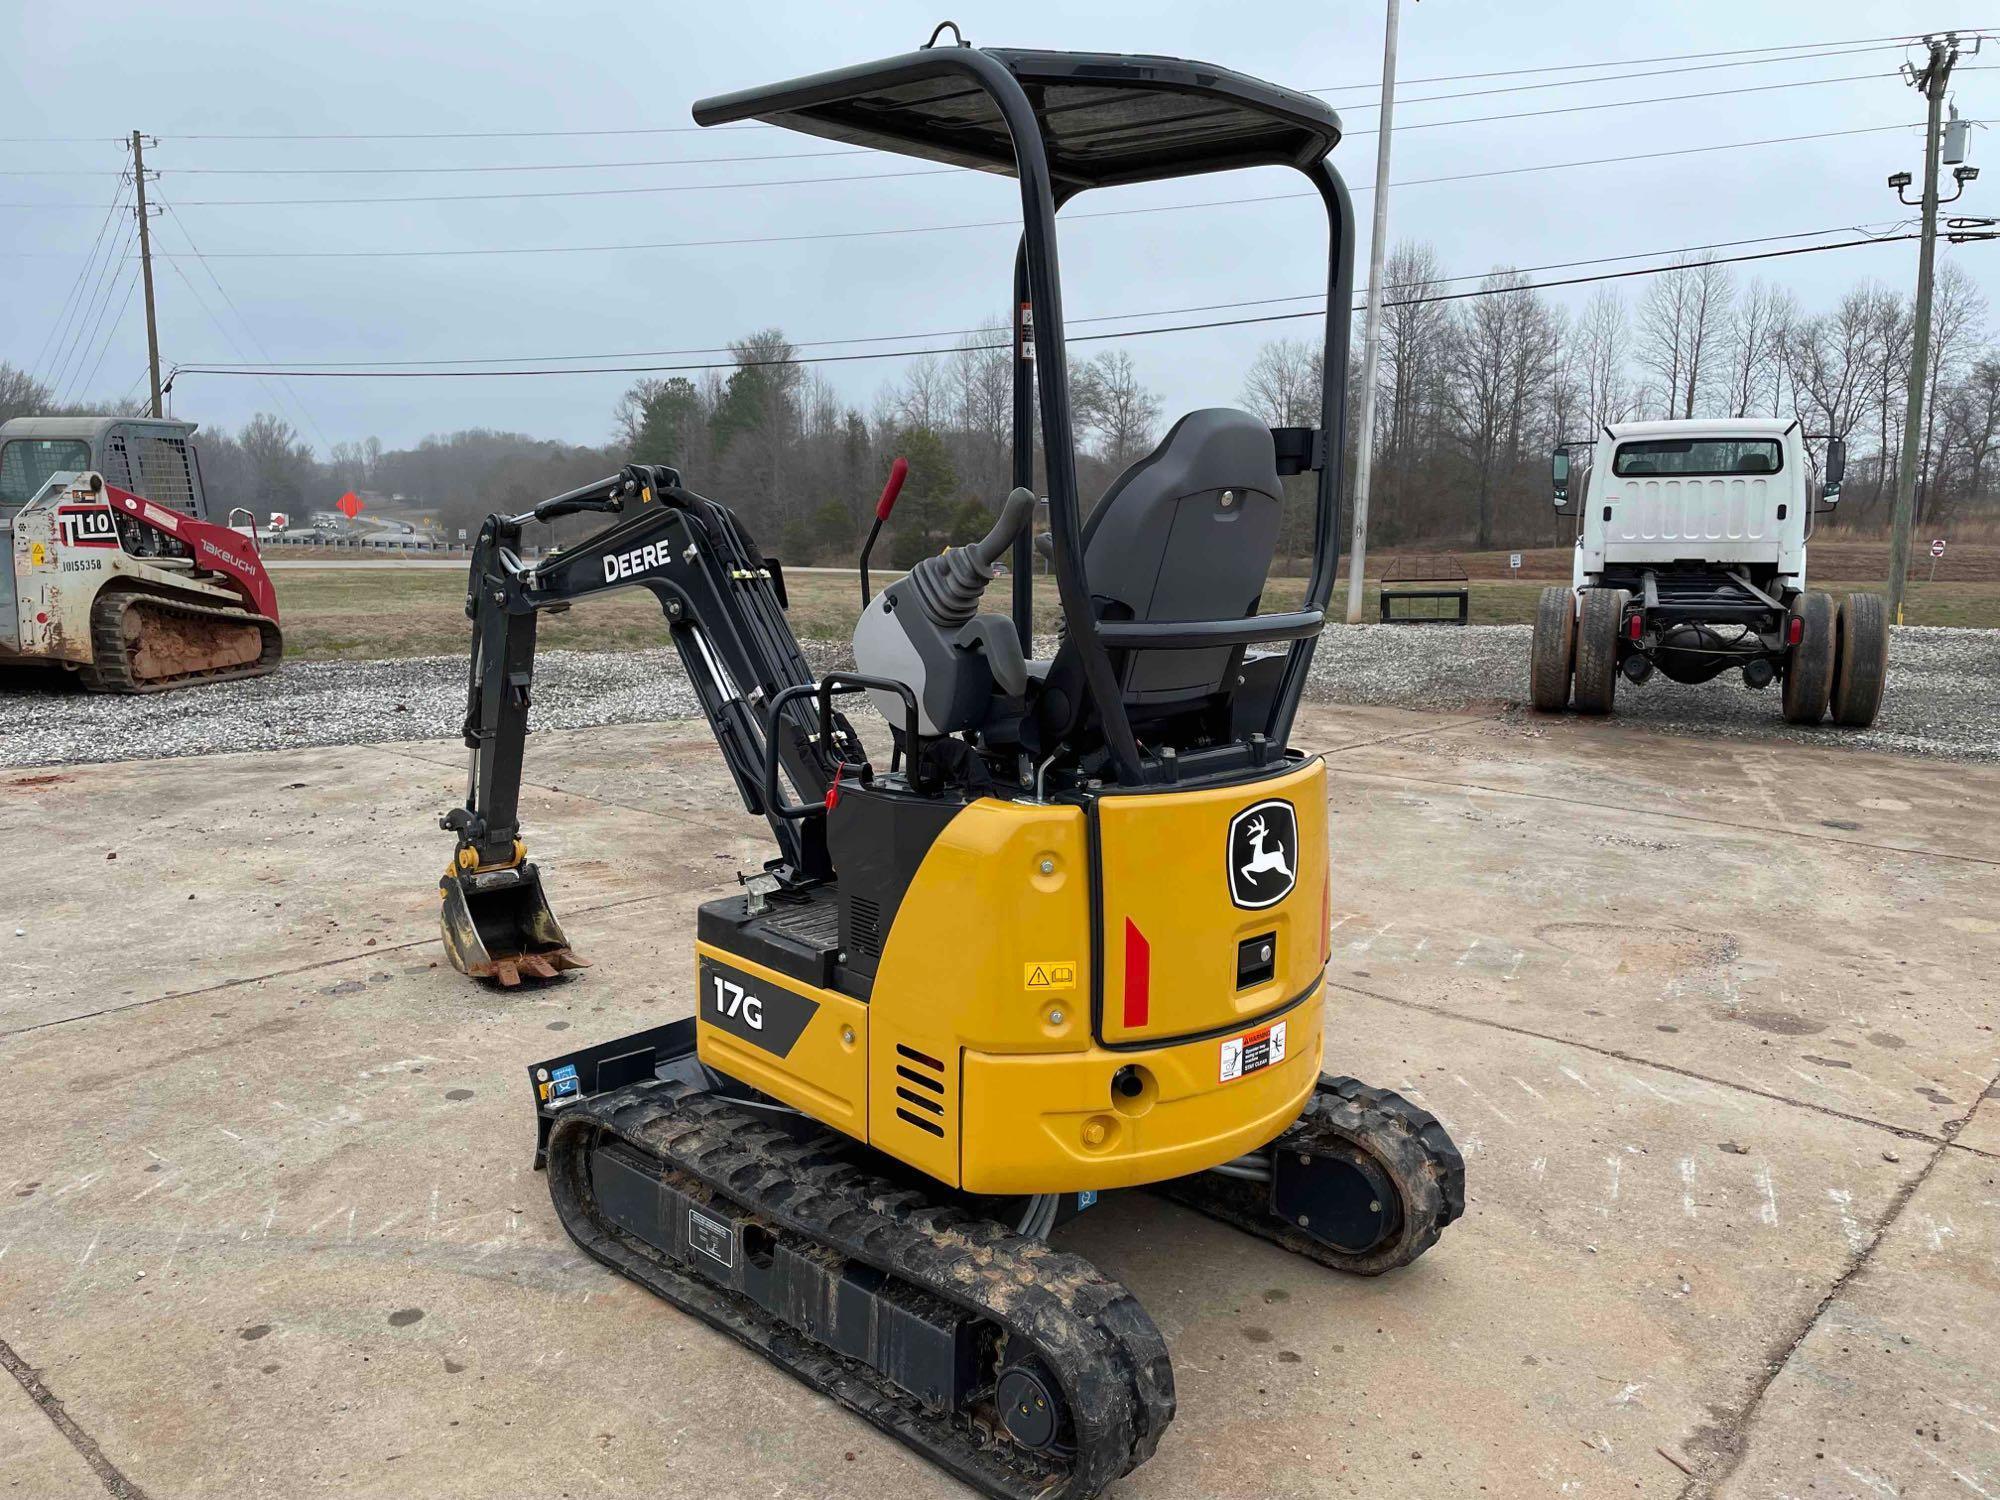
[[146, 266], [1932, 80], [1371, 338]]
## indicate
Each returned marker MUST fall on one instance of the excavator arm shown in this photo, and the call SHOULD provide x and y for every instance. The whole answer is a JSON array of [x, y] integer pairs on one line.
[[723, 604]]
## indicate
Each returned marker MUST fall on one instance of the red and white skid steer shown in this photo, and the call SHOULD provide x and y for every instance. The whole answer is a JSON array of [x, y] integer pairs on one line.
[[115, 570]]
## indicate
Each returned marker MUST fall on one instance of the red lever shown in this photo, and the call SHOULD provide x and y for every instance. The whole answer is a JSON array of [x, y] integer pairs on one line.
[[898, 472]]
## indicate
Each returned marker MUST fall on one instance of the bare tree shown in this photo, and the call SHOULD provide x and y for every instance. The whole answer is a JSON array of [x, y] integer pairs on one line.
[[981, 374], [1603, 338], [1501, 362], [1958, 318], [1283, 382], [1680, 325], [1110, 399], [1753, 341], [1829, 360], [1415, 335]]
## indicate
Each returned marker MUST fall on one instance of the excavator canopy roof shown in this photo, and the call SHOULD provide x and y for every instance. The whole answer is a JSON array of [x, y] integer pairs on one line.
[[1105, 118]]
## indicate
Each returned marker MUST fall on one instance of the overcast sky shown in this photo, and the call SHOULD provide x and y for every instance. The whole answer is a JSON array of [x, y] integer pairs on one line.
[[199, 68]]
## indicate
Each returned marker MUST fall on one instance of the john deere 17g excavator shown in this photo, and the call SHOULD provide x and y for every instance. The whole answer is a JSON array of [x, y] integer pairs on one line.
[[1067, 935]]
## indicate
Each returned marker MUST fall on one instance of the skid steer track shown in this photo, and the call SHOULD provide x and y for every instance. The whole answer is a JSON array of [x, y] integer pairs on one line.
[[145, 643], [797, 1187]]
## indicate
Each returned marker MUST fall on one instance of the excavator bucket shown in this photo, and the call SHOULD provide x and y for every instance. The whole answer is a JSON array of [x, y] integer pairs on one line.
[[497, 925]]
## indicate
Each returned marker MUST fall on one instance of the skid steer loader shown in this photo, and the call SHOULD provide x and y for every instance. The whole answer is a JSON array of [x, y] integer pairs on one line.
[[114, 568], [1064, 932]]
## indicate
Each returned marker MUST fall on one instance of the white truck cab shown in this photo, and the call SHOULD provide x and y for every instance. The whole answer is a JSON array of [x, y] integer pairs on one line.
[[1691, 561], [1735, 492]]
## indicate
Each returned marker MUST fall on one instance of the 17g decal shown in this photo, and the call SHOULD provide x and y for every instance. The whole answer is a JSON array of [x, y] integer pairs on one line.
[[731, 999]]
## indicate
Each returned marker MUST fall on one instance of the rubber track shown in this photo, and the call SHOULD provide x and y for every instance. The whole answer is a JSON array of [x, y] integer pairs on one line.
[[1088, 1331], [1416, 1150], [110, 669]]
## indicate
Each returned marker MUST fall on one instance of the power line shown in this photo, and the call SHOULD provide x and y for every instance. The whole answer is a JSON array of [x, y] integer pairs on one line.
[[1565, 83], [1573, 109], [248, 331], [823, 359], [757, 183], [1157, 312], [1630, 62], [864, 151], [131, 285], [1014, 223], [84, 345], [88, 312], [692, 129], [1797, 49], [56, 329]]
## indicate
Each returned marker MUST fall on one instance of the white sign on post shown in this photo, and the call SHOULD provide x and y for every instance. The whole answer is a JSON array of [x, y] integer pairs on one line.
[[1937, 547], [1514, 561]]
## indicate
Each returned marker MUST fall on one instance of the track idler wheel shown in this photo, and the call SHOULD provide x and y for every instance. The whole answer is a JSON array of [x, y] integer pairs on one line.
[[1031, 1408], [1364, 1182]]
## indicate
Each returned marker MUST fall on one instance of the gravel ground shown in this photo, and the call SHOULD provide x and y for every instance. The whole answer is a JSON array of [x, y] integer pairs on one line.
[[1943, 697]]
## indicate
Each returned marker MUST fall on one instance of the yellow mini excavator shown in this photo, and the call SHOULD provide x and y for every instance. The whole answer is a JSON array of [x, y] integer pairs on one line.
[[1067, 935]]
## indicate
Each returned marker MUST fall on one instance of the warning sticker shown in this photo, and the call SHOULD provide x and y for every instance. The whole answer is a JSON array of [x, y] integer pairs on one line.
[[1253, 1052], [710, 1238], [1050, 974]]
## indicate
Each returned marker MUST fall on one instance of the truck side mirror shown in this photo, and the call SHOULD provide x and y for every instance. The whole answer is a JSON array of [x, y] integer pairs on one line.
[[1836, 466], [1559, 476]]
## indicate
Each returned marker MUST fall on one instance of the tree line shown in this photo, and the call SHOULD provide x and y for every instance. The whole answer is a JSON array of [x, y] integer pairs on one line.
[[1473, 394]]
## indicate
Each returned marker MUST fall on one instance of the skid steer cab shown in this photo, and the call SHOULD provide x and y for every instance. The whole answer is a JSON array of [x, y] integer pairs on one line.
[[1037, 928], [112, 566], [1691, 562]]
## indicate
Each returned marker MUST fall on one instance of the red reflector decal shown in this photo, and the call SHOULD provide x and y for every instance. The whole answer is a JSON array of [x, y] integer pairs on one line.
[[1138, 975], [1795, 630], [1634, 625]]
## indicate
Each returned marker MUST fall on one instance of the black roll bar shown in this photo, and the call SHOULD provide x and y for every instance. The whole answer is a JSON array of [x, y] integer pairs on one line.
[[1038, 284]]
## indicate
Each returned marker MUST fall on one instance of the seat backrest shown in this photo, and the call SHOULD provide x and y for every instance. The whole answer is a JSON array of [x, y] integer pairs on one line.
[[1186, 533]]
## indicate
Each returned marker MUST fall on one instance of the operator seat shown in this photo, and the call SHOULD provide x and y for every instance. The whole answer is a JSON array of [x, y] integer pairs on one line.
[[1187, 532]]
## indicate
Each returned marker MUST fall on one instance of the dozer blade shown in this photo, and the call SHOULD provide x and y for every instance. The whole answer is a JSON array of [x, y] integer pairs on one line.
[[498, 926]]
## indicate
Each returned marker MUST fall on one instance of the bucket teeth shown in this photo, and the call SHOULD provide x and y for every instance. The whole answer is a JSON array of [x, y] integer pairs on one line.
[[503, 931]]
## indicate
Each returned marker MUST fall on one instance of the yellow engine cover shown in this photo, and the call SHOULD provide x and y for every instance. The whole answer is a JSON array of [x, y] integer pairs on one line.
[[1070, 997]]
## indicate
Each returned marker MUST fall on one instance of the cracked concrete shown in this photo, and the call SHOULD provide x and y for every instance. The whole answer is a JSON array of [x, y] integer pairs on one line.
[[1712, 1022]]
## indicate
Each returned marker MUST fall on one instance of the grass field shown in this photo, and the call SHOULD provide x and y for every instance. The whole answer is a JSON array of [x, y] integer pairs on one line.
[[368, 614]]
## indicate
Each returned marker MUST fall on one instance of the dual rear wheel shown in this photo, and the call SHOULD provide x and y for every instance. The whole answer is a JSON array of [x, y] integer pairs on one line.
[[1576, 645], [1841, 661]]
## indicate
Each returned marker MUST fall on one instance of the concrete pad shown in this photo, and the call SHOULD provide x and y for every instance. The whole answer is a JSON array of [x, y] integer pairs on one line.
[[670, 769], [1982, 1131], [36, 1461], [1829, 792], [1638, 1245], [278, 1230], [1893, 1390], [319, 1210], [1848, 977], [329, 853], [296, 1242]]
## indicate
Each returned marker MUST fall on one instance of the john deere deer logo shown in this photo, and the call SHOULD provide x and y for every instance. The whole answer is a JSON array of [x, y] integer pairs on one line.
[[1263, 854]]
